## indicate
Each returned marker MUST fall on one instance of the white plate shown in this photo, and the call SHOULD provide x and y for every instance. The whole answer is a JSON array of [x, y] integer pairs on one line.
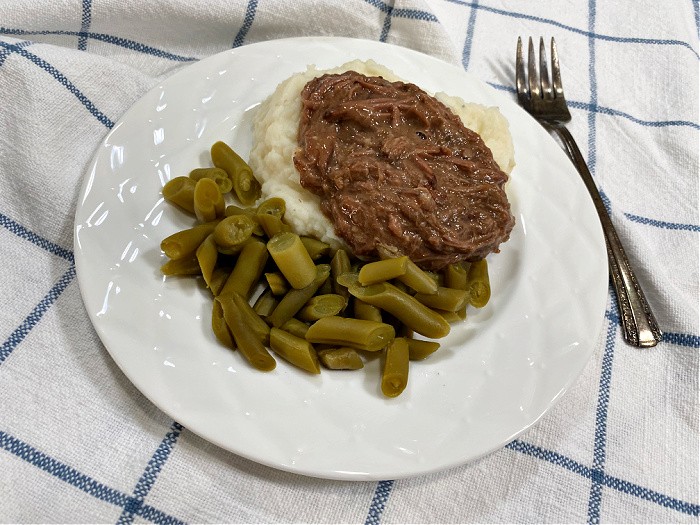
[[496, 374]]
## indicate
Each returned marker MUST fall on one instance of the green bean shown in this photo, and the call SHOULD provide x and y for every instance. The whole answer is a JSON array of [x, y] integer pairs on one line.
[[252, 320], [233, 231], [478, 283], [316, 248], [208, 202], [218, 279], [384, 270], [277, 283], [186, 242], [295, 299], [348, 279], [340, 358], [340, 264], [294, 349], [362, 310], [272, 206], [216, 174], [395, 372], [246, 340], [404, 307], [296, 327], [414, 277], [419, 349], [292, 259], [265, 303], [180, 191], [271, 224], [450, 317], [232, 209], [185, 266], [219, 326], [456, 277], [327, 288], [207, 256], [355, 333], [245, 185], [321, 306], [248, 269], [449, 299]]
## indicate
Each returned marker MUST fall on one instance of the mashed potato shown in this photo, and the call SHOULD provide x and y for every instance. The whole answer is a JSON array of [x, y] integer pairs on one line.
[[275, 141]]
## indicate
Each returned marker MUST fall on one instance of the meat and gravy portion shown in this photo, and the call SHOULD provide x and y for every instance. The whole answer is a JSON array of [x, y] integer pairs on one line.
[[395, 167]]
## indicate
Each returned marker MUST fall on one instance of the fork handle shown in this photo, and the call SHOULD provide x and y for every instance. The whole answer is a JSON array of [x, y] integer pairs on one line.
[[638, 322]]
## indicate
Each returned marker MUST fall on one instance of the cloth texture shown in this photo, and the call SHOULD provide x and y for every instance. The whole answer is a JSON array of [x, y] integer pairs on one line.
[[79, 443]]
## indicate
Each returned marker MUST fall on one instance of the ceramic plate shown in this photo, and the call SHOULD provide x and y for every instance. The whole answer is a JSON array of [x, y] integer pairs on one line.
[[494, 376]]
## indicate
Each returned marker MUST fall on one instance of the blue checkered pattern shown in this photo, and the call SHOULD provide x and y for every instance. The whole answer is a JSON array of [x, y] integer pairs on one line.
[[79, 443]]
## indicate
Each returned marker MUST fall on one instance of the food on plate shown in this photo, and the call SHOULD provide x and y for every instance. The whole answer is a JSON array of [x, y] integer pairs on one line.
[[364, 237], [388, 165]]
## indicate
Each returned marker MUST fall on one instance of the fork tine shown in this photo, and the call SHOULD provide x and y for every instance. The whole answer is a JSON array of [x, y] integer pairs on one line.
[[544, 73], [533, 77], [520, 73], [556, 73]]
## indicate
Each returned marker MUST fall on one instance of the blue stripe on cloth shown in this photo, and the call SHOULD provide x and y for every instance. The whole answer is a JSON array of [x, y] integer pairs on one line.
[[469, 40], [386, 26], [696, 9], [248, 19], [4, 52], [23, 233], [376, 507], [587, 33], [85, 24], [612, 482], [413, 14], [614, 112], [108, 39], [690, 340], [149, 476], [19, 333], [601, 425], [60, 77], [662, 224], [78, 480]]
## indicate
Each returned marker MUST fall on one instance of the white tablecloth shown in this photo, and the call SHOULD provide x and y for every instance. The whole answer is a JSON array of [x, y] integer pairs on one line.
[[78, 443]]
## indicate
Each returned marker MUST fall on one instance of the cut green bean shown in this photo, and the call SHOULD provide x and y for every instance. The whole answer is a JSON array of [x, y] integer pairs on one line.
[[340, 358], [295, 299], [248, 269], [245, 185], [369, 312], [340, 264], [185, 243], [272, 206], [478, 283], [246, 340], [294, 349], [233, 231], [218, 279], [319, 306], [180, 191], [449, 299], [292, 259], [316, 248], [404, 307], [395, 372], [271, 224], [185, 266], [252, 320], [265, 304], [219, 326], [232, 209], [296, 327], [456, 277], [216, 174], [207, 255], [208, 202], [414, 277], [384, 270], [355, 333], [419, 349], [277, 283]]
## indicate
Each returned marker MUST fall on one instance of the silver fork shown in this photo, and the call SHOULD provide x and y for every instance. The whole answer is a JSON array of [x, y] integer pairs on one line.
[[544, 100]]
